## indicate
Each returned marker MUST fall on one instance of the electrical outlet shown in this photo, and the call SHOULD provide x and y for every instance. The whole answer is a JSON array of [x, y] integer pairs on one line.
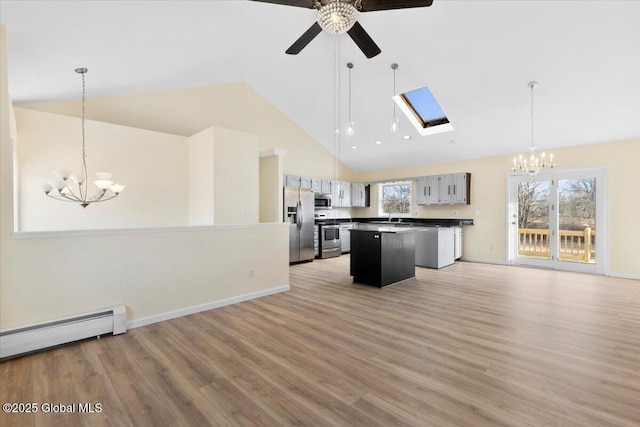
[[246, 214], [251, 273]]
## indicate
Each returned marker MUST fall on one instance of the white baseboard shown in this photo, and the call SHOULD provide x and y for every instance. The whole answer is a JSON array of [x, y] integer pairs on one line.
[[484, 261], [623, 275], [136, 323]]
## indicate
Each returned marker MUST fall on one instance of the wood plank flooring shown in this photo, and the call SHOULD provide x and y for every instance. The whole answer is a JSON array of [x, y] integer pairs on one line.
[[468, 345]]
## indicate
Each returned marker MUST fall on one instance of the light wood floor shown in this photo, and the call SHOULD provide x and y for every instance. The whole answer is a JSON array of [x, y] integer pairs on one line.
[[468, 345]]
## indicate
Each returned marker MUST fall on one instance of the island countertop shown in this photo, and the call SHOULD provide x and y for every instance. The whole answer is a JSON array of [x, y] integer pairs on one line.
[[377, 228]]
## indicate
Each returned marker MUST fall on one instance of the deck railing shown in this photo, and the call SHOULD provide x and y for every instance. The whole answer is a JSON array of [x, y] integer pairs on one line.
[[574, 245]]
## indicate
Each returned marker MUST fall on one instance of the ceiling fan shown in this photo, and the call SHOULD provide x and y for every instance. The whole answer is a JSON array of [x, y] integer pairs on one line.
[[339, 16]]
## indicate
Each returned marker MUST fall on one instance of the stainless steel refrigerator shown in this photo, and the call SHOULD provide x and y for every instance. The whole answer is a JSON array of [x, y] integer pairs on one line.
[[298, 212]]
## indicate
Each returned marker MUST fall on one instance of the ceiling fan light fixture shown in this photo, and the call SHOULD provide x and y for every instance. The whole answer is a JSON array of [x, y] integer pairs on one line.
[[337, 17]]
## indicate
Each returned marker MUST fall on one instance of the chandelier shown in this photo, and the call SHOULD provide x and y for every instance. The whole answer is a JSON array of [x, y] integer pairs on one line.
[[71, 188], [533, 164], [337, 17]]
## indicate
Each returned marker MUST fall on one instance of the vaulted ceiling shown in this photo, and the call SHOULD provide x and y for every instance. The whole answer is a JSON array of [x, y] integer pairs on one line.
[[476, 57]]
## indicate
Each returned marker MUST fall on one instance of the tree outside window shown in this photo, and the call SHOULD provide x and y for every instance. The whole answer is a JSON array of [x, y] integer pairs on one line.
[[395, 198]]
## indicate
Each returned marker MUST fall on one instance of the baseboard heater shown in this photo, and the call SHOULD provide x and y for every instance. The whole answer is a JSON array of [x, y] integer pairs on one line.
[[27, 339]]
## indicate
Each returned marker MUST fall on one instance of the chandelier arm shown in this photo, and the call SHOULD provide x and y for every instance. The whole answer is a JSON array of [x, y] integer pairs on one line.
[[104, 199], [63, 198]]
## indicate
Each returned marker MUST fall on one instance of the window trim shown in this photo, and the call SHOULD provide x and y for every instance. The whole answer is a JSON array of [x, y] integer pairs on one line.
[[381, 211]]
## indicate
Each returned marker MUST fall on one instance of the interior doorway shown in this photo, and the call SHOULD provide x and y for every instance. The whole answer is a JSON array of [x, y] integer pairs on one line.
[[557, 220]]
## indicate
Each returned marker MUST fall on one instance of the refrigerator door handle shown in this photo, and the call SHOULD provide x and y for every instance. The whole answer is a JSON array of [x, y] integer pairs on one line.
[[299, 216]]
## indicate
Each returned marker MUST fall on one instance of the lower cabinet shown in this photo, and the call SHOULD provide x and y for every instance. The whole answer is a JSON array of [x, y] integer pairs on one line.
[[435, 246]]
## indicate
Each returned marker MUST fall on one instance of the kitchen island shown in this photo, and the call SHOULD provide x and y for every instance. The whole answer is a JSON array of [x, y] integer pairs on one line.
[[382, 255]]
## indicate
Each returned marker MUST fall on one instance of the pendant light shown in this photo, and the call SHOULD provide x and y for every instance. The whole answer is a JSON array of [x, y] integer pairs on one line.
[[71, 188], [395, 121], [531, 164], [350, 126]]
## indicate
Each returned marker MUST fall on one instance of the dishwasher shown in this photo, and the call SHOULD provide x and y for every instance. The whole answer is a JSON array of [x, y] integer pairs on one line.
[[345, 237], [434, 246]]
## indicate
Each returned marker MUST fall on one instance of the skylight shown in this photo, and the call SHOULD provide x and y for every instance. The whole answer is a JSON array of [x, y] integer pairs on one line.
[[423, 111]]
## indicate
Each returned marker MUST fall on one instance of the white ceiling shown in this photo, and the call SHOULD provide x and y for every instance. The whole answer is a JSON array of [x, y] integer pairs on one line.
[[476, 56]]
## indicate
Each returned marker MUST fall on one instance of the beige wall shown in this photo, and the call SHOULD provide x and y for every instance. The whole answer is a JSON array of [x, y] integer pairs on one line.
[[235, 181], [152, 165], [223, 177], [201, 178], [271, 179], [153, 272], [487, 239], [187, 111]]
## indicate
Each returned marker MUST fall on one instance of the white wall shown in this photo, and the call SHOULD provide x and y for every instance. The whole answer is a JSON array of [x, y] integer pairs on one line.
[[151, 272], [236, 177], [223, 177], [45, 275], [152, 165], [271, 182], [201, 178]]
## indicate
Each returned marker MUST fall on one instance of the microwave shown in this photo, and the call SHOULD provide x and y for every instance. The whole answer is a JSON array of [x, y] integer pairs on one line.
[[322, 201]]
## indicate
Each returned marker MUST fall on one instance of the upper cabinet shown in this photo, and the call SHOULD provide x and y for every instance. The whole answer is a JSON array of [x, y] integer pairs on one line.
[[291, 181], [461, 189], [305, 183], [433, 190], [316, 185], [325, 186], [340, 194], [421, 190], [360, 195], [449, 189]]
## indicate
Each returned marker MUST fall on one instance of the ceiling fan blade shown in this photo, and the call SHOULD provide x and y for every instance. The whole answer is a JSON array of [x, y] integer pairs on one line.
[[372, 5], [309, 4], [305, 39], [363, 40]]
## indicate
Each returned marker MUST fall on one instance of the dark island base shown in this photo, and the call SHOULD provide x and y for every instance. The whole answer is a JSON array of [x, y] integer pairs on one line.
[[361, 281], [382, 258]]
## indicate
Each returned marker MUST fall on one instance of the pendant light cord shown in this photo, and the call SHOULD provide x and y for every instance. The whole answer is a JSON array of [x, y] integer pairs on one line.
[[532, 86], [83, 172]]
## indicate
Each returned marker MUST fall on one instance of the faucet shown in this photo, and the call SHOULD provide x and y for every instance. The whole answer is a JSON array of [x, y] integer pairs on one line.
[[390, 211]]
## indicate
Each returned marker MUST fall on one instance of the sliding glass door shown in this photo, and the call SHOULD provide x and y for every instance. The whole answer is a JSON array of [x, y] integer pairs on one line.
[[557, 220]]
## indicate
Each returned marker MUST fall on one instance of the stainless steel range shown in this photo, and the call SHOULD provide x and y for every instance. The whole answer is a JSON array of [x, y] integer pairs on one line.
[[329, 244]]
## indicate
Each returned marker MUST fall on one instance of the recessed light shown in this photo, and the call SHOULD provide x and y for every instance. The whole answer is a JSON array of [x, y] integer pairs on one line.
[[407, 137], [353, 147], [337, 131], [378, 142]]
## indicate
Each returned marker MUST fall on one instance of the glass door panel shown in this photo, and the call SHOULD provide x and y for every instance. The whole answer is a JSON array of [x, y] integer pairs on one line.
[[533, 219], [553, 220], [577, 220]]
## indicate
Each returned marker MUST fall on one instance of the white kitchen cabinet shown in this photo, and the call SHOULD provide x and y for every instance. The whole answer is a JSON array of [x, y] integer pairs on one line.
[[445, 190], [433, 185], [359, 195], [434, 246], [316, 185], [291, 181], [421, 190], [325, 186], [461, 189], [340, 194], [448, 189], [305, 182], [346, 194]]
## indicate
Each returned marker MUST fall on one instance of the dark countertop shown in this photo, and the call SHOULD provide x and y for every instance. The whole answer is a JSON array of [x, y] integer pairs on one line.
[[418, 222]]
